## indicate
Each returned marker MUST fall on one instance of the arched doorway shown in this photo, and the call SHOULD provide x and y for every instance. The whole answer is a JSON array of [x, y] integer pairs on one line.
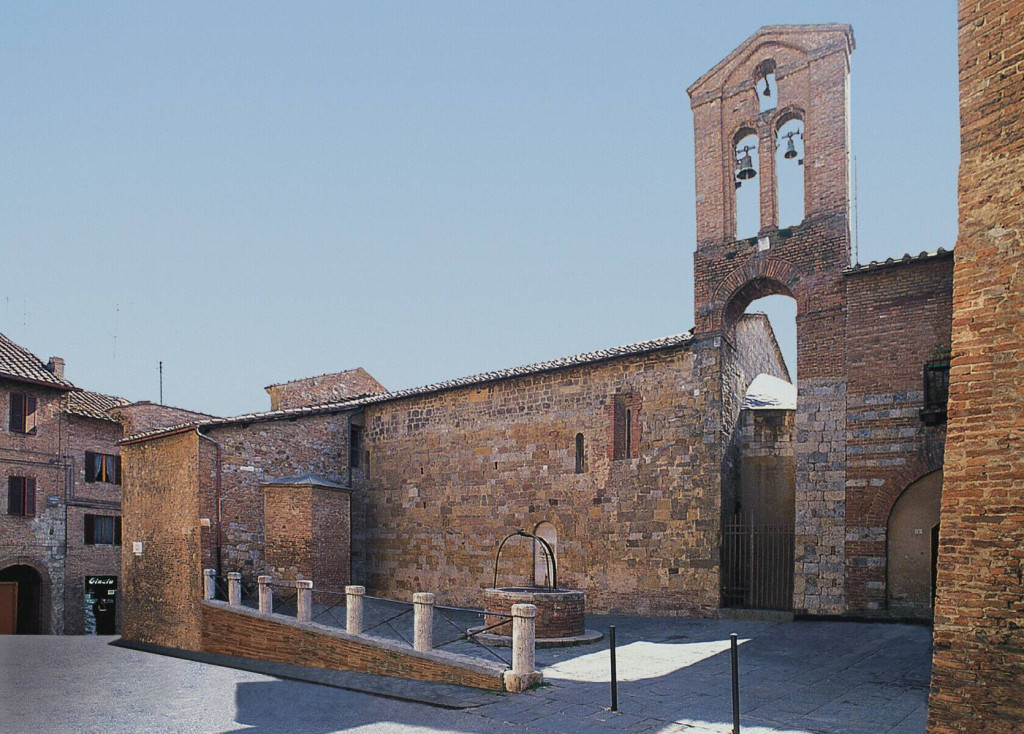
[[910, 547], [20, 597]]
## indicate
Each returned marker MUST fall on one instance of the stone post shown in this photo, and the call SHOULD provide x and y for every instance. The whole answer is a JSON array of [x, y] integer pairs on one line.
[[524, 638], [304, 600], [234, 588], [354, 609], [209, 583], [423, 621], [266, 594]]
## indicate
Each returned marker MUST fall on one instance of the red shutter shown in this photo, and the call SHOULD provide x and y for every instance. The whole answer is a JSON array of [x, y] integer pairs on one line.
[[30, 497], [15, 495], [17, 423], [90, 533], [117, 531]]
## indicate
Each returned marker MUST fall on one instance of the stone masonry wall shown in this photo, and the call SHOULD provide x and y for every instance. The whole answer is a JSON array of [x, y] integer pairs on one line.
[[897, 315], [162, 587], [323, 389], [979, 637], [454, 472]]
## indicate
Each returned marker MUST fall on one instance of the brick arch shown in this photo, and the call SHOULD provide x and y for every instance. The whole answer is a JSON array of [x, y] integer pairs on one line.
[[895, 484], [768, 48], [754, 279], [45, 588], [786, 114]]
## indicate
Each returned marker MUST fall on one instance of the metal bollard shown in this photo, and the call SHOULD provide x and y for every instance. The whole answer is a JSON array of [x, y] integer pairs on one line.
[[735, 684], [304, 600], [209, 583], [266, 594], [423, 621], [615, 679], [354, 609], [234, 588]]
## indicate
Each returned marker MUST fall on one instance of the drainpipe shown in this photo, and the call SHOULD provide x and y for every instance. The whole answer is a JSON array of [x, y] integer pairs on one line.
[[217, 490]]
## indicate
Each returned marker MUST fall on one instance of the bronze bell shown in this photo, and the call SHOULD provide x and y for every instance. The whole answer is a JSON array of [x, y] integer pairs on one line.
[[746, 169], [790, 149]]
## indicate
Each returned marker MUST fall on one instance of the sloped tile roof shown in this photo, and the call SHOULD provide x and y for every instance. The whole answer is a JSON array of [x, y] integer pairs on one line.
[[314, 480], [17, 363], [94, 405], [905, 260], [602, 355]]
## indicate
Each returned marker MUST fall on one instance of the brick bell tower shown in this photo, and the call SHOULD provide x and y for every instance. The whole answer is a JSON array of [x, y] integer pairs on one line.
[[782, 80]]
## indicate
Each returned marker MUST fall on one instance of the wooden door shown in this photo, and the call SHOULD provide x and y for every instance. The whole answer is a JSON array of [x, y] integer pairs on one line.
[[8, 607]]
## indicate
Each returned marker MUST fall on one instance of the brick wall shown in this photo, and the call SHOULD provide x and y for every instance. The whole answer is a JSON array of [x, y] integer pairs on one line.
[[249, 634], [979, 640], [804, 261], [307, 532], [95, 498], [897, 315], [37, 541], [145, 416]]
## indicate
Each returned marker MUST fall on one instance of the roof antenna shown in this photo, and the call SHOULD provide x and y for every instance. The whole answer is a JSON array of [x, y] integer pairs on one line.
[[161, 382]]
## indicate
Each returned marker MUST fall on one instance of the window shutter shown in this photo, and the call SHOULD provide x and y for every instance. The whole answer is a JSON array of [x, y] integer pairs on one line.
[[30, 414], [14, 496], [17, 422], [117, 470], [117, 531], [30, 496], [90, 532], [90, 464]]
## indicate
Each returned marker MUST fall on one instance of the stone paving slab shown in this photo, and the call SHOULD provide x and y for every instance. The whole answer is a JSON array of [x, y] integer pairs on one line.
[[796, 678]]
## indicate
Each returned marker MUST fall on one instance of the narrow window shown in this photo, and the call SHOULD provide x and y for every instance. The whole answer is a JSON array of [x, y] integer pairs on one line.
[[102, 468], [23, 414], [629, 432], [579, 453], [21, 496], [355, 446], [623, 430], [102, 530]]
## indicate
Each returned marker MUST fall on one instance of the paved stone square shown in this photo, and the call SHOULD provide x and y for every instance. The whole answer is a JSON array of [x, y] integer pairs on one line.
[[796, 678]]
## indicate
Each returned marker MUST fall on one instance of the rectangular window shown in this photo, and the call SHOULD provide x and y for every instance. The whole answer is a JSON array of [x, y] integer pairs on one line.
[[579, 453], [102, 468], [23, 413], [21, 496], [102, 530], [355, 446]]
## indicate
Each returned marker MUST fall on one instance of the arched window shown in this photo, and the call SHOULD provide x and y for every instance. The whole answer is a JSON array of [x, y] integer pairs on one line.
[[748, 194], [580, 461], [541, 567], [789, 171]]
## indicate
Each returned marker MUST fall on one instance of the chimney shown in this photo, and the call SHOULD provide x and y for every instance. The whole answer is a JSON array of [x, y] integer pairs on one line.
[[56, 366]]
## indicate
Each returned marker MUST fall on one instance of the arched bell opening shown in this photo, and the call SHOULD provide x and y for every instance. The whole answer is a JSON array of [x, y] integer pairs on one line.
[[789, 170], [746, 165]]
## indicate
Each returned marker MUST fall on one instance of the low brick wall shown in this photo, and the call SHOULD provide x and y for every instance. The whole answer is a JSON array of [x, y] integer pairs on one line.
[[247, 633]]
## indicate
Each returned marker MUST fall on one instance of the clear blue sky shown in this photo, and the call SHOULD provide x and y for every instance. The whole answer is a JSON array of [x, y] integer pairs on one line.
[[256, 192]]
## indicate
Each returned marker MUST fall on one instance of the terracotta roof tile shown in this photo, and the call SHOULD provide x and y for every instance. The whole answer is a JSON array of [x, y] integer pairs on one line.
[[654, 345], [17, 363], [94, 405]]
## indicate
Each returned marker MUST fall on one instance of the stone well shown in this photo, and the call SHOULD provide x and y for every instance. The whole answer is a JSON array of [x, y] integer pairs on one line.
[[560, 614]]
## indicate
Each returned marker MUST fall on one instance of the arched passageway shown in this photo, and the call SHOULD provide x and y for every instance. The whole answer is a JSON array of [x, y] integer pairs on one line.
[[911, 553], [20, 601]]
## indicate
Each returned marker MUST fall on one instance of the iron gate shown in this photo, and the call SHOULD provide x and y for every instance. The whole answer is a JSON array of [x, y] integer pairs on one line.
[[757, 565]]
